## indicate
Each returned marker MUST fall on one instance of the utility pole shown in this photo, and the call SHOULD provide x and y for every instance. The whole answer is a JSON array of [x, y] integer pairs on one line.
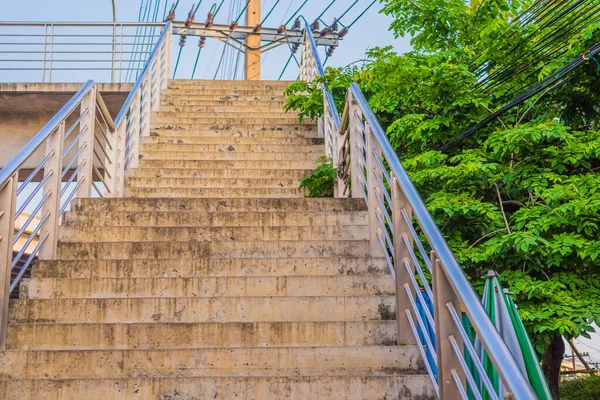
[[253, 41]]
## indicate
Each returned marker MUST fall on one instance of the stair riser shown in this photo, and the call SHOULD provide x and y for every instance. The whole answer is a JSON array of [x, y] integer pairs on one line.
[[182, 218], [276, 109], [235, 112], [400, 387], [203, 267], [199, 336], [221, 101], [237, 148], [230, 126], [218, 96], [215, 193], [230, 156], [289, 131], [295, 174], [223, 91], [209, 362], [232, 165], [222, 183], [353, 285], [196, 140], [215, 205], [187, 310], [223, 84], [202, 234], [230, 120]]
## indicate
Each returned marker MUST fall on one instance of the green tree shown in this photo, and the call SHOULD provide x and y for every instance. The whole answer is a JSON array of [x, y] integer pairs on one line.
[[520, 196]]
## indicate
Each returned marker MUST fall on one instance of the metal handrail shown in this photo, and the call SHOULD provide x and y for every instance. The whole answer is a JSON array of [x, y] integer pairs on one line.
[[84, 156], [371, 160]]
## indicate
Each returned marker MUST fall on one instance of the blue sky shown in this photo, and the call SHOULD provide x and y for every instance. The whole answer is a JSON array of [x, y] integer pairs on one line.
[[371, 30]]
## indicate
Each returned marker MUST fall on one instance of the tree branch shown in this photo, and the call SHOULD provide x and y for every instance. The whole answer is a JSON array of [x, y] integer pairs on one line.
[[502, 208]]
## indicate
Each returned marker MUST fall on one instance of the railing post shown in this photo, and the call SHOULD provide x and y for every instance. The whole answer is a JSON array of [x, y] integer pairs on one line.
[[447, 360], [155, 83], [112, 151], [373, 150], [355, 167], [166, 58], [8, 202], [119, 159], [146, 105], [52, 187], [88, 123], [136, 133], [401, 254]]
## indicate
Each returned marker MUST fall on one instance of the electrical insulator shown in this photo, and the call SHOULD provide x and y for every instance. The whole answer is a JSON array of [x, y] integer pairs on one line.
[[190, 19], [257, 28], [171, 15], [330, 51], [209, 20], [295, 47], [315, 26], [182, 40], [233, 25], [343, 33], [296, 24], [202, 41], [281, 29], [334, 26], [324, 32]]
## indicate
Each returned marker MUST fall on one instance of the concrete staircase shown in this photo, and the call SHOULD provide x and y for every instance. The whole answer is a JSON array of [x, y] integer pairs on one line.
[[214, 278]]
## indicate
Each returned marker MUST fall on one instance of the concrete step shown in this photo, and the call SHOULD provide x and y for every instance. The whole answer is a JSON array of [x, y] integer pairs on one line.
[[177, 148], [222, 183], [215, 193], [195, 310], [208, 267], [365, 387], [270, 107], [225, 131], [91, 234], [194, 83], [237, 112], [86, 336], [265, 125], [309, 285], [229, 156], [218, 95], [222, 101], [287, 361], [218, 173], [235, 165], [217, 219], [232, 119], [233, 249], [224, 90], [214, 205], [232, 140]]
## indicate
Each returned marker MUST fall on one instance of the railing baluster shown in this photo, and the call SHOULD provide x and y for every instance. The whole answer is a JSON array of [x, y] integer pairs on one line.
[[373, 149], [8, 206], [443, 293], [119, 160], [51, 207], [134, 152], [87, 139], [402, 253]]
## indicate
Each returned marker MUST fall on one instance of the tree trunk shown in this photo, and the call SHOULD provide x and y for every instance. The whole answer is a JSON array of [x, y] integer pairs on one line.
[[551, 361]]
